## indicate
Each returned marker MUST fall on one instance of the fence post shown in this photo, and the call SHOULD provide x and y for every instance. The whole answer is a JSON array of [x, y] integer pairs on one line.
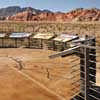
[[86, 72]]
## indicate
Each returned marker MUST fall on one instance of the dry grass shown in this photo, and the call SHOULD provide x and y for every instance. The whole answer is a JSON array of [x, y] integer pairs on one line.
[[77, 27]]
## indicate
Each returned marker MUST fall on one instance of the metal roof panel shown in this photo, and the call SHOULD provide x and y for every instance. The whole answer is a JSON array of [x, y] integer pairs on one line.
[[65, 37], [43, 36], [2, 35], [19, 35]]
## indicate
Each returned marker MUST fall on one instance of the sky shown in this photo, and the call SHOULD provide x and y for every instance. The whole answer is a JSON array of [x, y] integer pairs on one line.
[[53, 5]]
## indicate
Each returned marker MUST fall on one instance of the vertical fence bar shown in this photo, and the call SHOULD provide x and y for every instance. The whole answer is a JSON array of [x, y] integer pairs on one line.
[[86, 66]]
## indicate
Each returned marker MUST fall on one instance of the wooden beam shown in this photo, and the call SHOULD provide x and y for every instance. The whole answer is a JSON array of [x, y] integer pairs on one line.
[[65, 52]]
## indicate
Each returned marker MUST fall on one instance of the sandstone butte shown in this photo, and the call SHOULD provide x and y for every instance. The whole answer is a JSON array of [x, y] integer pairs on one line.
[[75, 15]]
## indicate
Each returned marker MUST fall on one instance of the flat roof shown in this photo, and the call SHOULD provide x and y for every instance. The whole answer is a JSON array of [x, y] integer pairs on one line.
[[65, 37], [2, 35], [43, 36], [19, 35]]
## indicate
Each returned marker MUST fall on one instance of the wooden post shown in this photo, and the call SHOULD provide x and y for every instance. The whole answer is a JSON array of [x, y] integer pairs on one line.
[[87, 55], [41, 43], [53, 42], [86, 72], [29, 42], [16, 42], [2, 42]]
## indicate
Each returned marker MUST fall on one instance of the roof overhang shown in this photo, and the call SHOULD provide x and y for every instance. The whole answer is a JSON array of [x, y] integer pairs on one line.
[[68, 52], [45, 36], [20, 35], [65, 38], [2, 35]]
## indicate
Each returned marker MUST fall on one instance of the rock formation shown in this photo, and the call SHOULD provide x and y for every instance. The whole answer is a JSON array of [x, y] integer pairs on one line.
[[75, 15]]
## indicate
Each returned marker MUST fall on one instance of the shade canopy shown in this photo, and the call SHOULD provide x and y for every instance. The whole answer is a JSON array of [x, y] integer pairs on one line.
[[46, 36], [67, 52], [2, 35], [65, 37], [20, 35]]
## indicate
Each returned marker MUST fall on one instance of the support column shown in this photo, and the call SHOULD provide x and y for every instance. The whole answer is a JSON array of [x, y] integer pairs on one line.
[[86, 72], [16, 42]]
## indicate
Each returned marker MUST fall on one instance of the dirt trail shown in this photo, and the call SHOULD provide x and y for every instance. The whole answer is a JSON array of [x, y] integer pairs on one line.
[[39, 84]]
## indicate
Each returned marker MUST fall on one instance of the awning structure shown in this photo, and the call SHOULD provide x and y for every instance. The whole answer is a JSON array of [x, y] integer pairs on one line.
[[20, 35], [65, 38], [2, 35], [45, 36], [68, 52]]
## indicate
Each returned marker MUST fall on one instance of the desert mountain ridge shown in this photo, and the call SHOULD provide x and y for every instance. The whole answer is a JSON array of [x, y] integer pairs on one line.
[[16, 13], [11, 10]]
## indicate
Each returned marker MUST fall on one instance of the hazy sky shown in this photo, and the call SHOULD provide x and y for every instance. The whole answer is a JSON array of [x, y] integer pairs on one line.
[[54, 5]]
